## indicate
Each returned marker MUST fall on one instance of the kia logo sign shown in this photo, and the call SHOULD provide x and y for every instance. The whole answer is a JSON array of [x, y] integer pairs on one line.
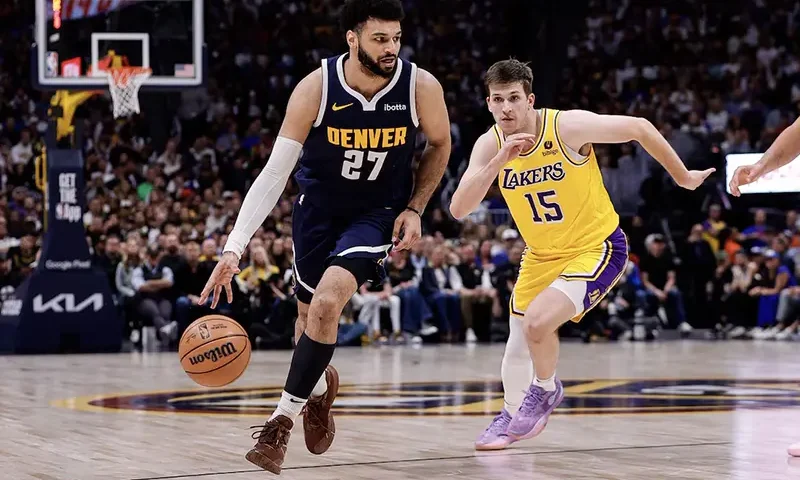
[[65, 302]]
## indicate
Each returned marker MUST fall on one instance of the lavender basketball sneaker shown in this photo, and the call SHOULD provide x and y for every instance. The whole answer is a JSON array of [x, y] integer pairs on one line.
[[495, 437], [532, 416]]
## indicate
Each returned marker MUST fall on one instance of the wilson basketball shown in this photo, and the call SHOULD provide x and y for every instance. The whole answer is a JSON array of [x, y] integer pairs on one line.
[[214, 351]]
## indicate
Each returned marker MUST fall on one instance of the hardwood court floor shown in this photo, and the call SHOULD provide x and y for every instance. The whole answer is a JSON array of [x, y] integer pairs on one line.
[[684, 410]]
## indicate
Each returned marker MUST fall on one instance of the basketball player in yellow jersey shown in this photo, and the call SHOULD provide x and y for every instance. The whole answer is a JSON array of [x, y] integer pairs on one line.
[[575, 250]]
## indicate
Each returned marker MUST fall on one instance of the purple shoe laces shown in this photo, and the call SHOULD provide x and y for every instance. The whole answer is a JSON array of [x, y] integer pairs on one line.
[[533, 399], [500, 423]]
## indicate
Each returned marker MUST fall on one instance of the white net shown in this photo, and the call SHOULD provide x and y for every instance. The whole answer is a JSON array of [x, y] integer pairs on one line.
[[124, 85]]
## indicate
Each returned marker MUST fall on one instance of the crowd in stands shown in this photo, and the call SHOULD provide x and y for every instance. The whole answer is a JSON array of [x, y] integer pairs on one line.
[[714, 77]]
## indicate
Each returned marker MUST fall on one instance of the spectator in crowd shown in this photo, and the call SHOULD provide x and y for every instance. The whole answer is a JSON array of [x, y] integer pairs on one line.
[[702, 261], [6, 241], [775, 277], [439, 285], [788, 314], [258, 270], [7, 275], [660, 279], [271, 310], [713, 226], [738, 309], [152, 281], [505, 276], [369, 300], [756, 235], [23, 257], [22, 153], [416, 314], [189, 281], [123, 284], [108, 259], [419, 253], [478, 295], [623, 303]]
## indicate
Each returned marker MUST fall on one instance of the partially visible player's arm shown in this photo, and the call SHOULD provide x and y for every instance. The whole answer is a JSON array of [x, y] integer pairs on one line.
[[301, 112], [481, 172], [783, 150], [580, 127], [435, 124], [485, 163]]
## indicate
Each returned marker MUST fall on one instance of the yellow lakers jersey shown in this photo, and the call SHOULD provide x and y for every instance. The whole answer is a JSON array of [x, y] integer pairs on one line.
[[556, 195]]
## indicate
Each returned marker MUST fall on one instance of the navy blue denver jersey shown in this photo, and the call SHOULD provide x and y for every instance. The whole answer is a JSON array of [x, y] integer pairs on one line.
[[358, 154]]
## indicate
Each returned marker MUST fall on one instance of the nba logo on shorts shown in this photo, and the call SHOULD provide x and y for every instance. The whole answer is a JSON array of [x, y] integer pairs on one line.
[[204, 334], [52, 64]]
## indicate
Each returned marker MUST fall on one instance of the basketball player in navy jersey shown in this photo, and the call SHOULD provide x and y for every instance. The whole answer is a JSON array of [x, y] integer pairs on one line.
[[355, 120]]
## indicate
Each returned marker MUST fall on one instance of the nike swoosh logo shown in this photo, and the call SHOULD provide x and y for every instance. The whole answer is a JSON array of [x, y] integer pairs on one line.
[[295, 401], [336, 108]]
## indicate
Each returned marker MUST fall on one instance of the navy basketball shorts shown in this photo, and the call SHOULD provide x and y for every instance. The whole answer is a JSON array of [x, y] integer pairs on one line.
[[320, 235]]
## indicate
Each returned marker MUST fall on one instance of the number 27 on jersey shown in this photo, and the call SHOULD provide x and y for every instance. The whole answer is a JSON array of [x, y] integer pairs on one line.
[[352, 166]]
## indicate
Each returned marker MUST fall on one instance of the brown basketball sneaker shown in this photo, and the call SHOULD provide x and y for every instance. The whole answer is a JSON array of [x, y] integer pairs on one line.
[[269, 451], [318, 421]]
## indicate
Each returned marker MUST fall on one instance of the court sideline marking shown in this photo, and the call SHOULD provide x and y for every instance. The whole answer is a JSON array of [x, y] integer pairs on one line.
[[438, 459]]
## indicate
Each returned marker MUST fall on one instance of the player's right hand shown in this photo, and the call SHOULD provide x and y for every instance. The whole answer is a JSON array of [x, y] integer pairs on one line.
[[223, 273], [744, 175], [514, 145]]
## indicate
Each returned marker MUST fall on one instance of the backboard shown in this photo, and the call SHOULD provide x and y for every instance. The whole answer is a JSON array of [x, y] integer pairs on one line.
[[73, 37]]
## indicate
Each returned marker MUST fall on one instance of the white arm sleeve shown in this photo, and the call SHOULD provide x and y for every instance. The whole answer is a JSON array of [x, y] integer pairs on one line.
[[263, 194]]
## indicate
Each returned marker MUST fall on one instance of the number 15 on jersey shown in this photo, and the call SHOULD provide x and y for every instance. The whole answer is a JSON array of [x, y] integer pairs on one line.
[[545, 203]]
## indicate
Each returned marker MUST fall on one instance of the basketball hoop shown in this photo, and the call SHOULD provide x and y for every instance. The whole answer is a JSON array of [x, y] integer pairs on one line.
[[124, 83]]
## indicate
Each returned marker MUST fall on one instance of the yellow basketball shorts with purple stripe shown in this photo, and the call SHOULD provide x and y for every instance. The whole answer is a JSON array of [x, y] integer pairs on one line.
[[586, 277]]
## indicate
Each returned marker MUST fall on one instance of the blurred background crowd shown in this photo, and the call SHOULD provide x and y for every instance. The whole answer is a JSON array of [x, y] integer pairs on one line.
[[714, 77]]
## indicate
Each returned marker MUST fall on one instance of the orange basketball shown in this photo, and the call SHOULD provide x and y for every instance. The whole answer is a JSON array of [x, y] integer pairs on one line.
[[214, 351]]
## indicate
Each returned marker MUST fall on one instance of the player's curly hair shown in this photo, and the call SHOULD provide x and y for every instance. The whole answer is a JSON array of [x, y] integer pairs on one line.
[[510, 71], [356, 12]]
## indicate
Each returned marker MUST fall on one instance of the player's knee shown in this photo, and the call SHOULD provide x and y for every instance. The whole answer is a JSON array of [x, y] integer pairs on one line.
[[394, 301], [326, 305], [535, 326]]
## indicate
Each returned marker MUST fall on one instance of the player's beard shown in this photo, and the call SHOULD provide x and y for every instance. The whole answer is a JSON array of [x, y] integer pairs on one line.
[[373, 66]]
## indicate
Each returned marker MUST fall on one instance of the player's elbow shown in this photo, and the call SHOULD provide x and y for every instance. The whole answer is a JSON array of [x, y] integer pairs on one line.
[[458, 210], [640, 129]]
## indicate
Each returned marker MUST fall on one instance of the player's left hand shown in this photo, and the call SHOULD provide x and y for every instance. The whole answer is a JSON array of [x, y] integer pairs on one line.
[[407, 230], [695, 178], [744, 175]]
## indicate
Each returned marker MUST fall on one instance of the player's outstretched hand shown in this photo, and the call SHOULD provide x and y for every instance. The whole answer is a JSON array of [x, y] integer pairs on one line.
[[695, 178], [516, 144], [407, 230], [223, 273], [744, 175]]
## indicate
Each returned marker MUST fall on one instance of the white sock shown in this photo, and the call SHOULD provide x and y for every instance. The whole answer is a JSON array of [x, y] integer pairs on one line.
[[517, 367], [549, 384], [321, 388], [289, 406]]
